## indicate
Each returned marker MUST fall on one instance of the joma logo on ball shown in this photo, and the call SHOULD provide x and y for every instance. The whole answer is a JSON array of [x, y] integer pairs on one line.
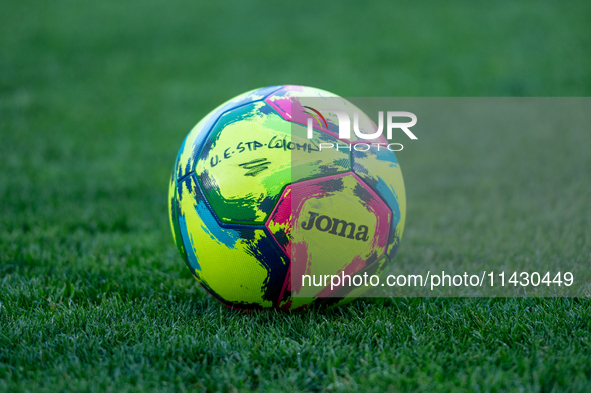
[[331, 225]]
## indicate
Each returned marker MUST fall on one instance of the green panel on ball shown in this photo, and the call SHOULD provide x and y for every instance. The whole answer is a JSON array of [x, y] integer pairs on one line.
[[240, 265], [251, 155]]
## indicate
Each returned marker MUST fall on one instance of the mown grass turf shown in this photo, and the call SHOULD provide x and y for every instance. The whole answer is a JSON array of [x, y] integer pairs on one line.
[[94, 102]]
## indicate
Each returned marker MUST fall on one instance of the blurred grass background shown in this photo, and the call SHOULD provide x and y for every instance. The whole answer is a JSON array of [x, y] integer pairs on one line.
[[95, 99]]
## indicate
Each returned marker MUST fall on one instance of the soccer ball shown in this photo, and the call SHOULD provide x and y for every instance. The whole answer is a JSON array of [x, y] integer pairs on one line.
[[253, 206]]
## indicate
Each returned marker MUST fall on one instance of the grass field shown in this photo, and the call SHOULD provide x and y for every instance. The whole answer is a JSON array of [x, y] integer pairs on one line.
[[95, 99]]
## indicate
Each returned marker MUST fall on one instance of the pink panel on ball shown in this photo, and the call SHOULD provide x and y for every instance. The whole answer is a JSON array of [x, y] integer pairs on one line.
[[348, 197], [286, 102]]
